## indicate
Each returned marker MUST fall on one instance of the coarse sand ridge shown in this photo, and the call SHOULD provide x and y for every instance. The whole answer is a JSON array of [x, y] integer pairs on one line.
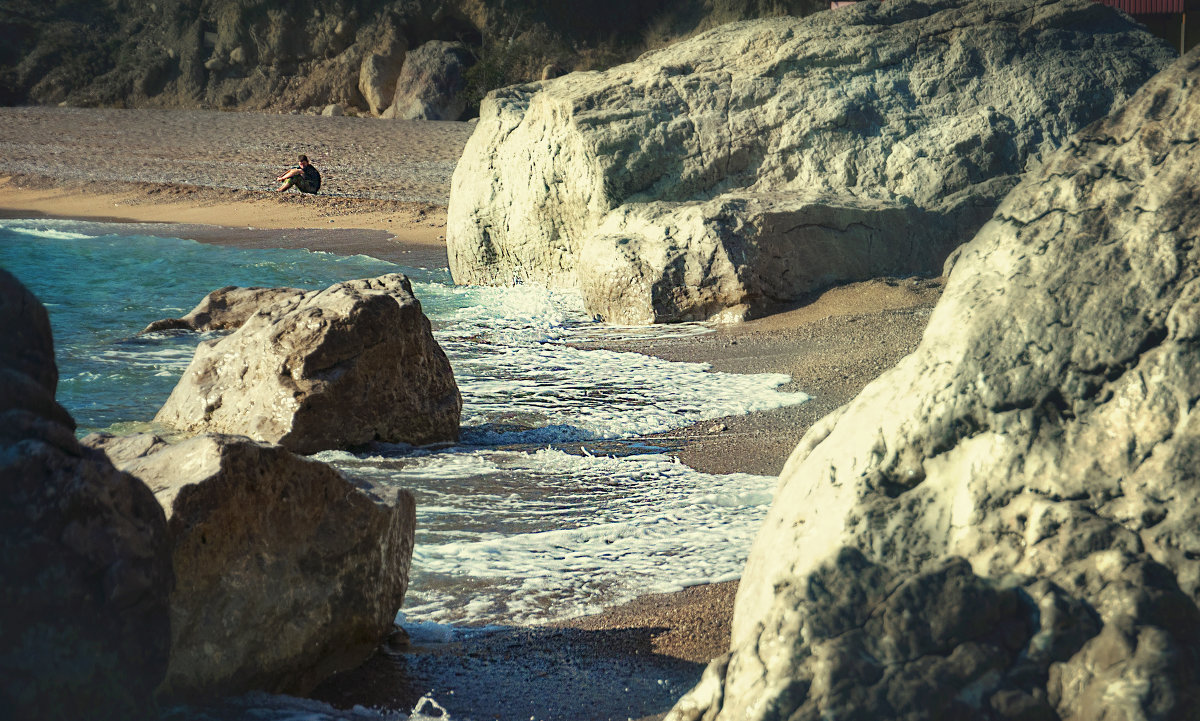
[[385, 192]]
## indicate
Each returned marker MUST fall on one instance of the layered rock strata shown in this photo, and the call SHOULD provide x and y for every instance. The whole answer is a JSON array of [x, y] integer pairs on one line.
[[83, 550], [763, 160], [1005, 524], [351, 364], [286, 572], [224, 309]]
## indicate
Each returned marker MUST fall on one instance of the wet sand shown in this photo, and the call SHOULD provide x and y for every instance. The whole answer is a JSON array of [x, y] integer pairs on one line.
[[631, 661]]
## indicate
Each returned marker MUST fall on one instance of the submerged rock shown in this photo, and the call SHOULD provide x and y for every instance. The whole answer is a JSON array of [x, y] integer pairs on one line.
[[1044, 431], [763, 160], [83, 552], [224, 309], [286, 572], [351, 364]]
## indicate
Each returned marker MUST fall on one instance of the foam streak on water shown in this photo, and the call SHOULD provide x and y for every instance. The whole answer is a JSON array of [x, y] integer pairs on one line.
[[549, 507]]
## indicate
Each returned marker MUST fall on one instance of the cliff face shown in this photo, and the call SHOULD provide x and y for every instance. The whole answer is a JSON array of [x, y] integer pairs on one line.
[[260, 54]]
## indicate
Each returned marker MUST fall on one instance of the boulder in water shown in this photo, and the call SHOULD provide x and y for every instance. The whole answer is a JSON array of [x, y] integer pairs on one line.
[[83, 549], [224, 309], [286, 572], [1044, 431], [351, 364], [695, 182]]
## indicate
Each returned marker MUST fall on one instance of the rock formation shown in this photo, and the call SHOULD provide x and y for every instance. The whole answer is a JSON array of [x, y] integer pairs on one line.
[[83, 553], [379, 70], [1005, 524], [431, 82], [224, 309], [309, 54], [286, 572], [760, 161], [351, 364]]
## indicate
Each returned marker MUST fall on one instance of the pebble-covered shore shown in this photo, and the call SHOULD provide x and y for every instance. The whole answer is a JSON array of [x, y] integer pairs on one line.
[[399, 160]]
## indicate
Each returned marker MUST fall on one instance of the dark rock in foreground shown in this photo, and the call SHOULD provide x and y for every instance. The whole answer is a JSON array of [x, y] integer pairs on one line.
[[83, 549], [1044, 431], [351, 364], [286, 572], [761, 161]]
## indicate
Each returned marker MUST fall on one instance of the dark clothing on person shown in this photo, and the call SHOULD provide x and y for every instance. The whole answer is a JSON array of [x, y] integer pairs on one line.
[[310, 181]]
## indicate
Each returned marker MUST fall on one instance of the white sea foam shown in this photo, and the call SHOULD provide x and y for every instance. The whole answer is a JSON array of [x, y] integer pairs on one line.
[[41, 230], [513, 534], [570, 394], [522, 383], [517, 537]]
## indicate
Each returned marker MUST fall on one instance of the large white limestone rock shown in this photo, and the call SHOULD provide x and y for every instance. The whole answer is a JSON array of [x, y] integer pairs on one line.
[[677, 175], [1046, 432]]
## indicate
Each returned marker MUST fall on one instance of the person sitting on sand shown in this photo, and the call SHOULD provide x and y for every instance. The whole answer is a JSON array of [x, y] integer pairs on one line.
[[303, 177]]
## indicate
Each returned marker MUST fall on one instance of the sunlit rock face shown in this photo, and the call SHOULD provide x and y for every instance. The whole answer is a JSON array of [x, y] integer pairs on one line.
[[1005, 524], [757, 162], [354, 363]]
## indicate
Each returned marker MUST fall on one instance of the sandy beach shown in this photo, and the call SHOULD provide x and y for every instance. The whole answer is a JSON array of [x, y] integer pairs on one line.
[[385, 196]]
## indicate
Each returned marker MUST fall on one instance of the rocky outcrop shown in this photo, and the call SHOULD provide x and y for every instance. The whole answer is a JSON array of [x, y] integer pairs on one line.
[[351, 364], [309, 54], [758, 162], [379, 70], [1045, 432], [286, 572], [431, 82], [224, 309], [648, 262], [83, 554]]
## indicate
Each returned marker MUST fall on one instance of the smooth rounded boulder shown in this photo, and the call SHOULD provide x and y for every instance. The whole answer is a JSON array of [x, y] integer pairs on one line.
[[84, 630], [342, 367], [286, 571], [431, 83], [1042, 441], [764, 160]]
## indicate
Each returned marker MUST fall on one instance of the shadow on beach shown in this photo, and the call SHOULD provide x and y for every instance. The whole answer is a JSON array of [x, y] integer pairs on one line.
[[512, 674]]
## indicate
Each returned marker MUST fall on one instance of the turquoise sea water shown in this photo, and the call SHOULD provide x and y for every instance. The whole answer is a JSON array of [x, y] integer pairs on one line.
[[101, 287], [550, 506]]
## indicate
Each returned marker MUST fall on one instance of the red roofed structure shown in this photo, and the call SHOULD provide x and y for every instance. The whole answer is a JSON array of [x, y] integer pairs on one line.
[[1146, 7]]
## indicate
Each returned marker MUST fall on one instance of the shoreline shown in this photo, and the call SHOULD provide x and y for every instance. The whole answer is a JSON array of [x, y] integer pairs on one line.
[[406, 233], [830, 347]]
